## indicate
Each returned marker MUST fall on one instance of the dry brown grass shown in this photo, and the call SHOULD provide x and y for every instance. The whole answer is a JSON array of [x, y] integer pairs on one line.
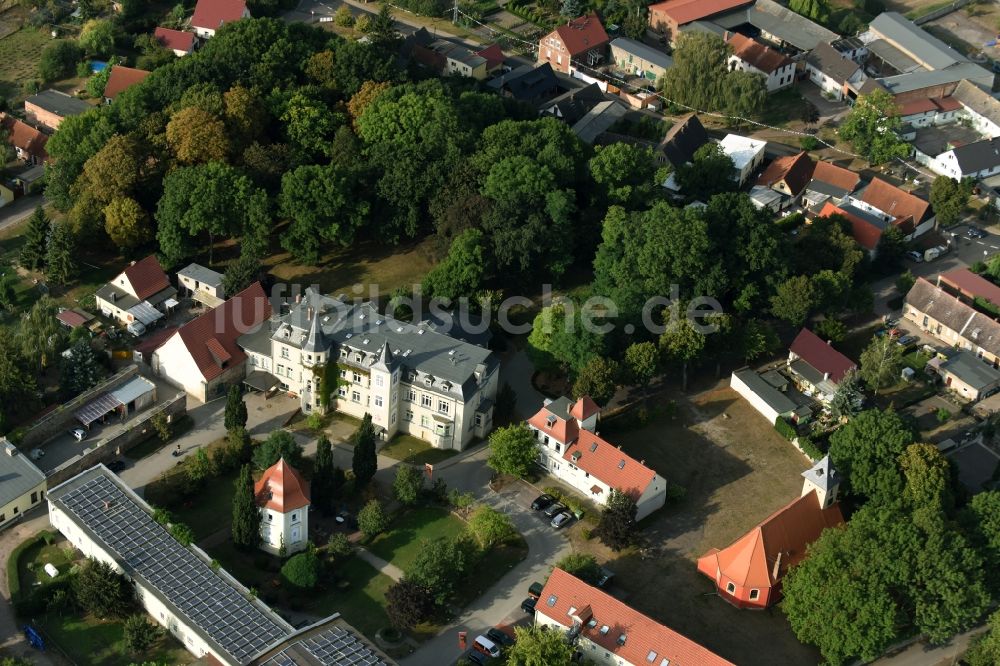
[[737, 470]]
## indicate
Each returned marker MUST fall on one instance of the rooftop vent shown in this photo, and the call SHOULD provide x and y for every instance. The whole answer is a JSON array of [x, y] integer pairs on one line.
[[365, 341], [399, 329], [378, 322], [551, 601], [621, 464], [350, 335], [361, 316], [593, 447], [420, 331], [621, 639], [605, 629]]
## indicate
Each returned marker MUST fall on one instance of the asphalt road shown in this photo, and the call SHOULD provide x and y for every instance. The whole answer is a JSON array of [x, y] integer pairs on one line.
[[19, 210]]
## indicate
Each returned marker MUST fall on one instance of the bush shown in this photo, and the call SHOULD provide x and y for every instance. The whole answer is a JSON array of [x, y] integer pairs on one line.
[[460, 500], [183, 533], [372, 519], [339, 545], [784, 428], [315, 421], [793, 221], [140, 634], [302, 570], [943, 415], [343, 17], [809, 448], [809, 143], [676, 492], [59, 60]]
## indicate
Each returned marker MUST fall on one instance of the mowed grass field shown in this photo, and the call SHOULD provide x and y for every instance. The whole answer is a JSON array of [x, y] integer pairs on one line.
[[20, 52]]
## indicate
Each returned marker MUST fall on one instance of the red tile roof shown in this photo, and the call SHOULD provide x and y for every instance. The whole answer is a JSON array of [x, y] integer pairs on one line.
[[146, 277], [830, 173], [153, 341], [686, 11], [561, 427], [795, 170], [865, 233], [609, 464], [643, 635], [72, 318], [948, 103], [122, 78], [924, 105], [821, 355], [175, 40], [211, 14], [281, 488], [584, 408], [756, 54], [894, 201], [971, 285], [582, 34], [493, 54], [750, 560], [24, 136], [211, 338]]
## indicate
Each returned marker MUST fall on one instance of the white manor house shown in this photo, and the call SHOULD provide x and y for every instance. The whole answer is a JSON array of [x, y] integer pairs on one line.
[[350, 358]]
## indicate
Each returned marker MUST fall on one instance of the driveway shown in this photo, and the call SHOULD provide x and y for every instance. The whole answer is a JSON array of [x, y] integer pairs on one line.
[[19, 210], [828, 109]]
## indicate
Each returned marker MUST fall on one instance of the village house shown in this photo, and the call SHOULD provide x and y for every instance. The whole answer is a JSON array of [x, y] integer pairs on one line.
[[570, 449], [210, 15], [953, 322], [769, 394], [928, 112], [817, 368], [749, 572], [789, 176], [747, 155], [283, 499], [179, 41], [28, 142], [349, 358], [202, 356], [527, 83], [201, 284], [579, 42], [495, 58], [828, 182], [752, 56], [49, 108], [638, 59], [969, 286], [667, 18], [140, 293], [606, 631], [214, 617], [681, 141], [832, 71], [573, 105], [121, 79], [965, 375], [979, 107], [976, 160], [23, 484]]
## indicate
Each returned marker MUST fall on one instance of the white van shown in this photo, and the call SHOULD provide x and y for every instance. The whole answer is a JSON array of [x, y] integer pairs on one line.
[[486, 646]]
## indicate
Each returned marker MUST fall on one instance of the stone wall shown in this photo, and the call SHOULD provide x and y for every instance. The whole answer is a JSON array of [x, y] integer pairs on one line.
[[136, 431], [60, 417]]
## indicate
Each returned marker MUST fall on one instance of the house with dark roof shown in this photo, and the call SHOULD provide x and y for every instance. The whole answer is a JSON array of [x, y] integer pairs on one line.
[[976, 160], [48, 108], [598, 120], [832, 71], [573, 105], [28, 142], [120, 79], [751, 56], [667, 18], [210, 15], [829, 182], [202, 357], [788, 175], [581, 41], [775, 24], [528, 84], [979, 106], [202, 284], [933, 310], [967, 376], [23, 484], [639, 59], [571, 450], [606, 630], [769, 394], [681, 141], [179, 41], [748, 573], [140, 293], [816, 367]]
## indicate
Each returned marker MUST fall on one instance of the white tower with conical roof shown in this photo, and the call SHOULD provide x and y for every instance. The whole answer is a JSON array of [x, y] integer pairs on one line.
[[825, 480]]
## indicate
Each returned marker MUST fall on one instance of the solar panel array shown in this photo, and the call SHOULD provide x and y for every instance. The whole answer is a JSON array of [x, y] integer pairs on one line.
[[334, 647], [238, 626]]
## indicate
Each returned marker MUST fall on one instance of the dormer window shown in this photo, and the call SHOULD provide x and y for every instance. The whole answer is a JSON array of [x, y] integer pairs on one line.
[[550, 421], [571, 611], [621, 639], [551, 601], [605, 629], [621, 464], [593, 447]]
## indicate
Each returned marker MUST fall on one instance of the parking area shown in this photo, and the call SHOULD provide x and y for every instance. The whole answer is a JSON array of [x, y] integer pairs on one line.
[[976, 465]]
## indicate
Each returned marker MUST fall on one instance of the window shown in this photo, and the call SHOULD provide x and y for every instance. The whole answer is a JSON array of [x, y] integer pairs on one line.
[[379, 381], [15, 510], [343, 374], [408, 416], [424, 421], [270, 517], [605, 629], [378, 401], [342, 392], [731, 588], [479, 420], [343, 353], [443, 406], [551, 601], [411, 395], [651, 657], [281, 369], [295, 517], [357, 378], [355, 396], [34, 497], [425, 401], [558, 447], [392, 419], [284, 352], [754, 594]]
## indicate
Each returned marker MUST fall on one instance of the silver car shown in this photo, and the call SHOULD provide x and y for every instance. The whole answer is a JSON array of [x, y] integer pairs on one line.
[[561, 519]]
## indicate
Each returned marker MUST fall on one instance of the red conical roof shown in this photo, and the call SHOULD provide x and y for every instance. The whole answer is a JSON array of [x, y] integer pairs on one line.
[[282, 488]]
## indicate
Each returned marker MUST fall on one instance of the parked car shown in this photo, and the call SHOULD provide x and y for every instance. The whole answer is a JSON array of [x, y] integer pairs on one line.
[[535, 590], [888, 322], [528, 605], [975, 232], [553, 509], [915, 256], [79, 433], [499, 637], [561, 519], [476, 658], [907, 341], [605, 578], [542, 502]]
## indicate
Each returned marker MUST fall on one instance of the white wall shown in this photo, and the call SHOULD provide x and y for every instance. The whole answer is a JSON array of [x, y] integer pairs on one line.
[[755, 400], [173, 362], [782, 77]]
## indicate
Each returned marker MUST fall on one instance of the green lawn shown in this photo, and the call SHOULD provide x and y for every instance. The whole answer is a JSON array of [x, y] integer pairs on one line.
[[497, 562], [31, 564], [362, 602], [19, 56], [409, 449], [401, 544], [916, 360], [87, 640], [207, 513]]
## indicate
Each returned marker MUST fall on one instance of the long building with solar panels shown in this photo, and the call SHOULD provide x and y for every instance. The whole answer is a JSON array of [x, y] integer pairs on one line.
[[212, 614]]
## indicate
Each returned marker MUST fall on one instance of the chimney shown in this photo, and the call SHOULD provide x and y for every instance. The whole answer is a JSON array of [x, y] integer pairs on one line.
[[309, 313], [777, 567], [726, 35], [298, 298]]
